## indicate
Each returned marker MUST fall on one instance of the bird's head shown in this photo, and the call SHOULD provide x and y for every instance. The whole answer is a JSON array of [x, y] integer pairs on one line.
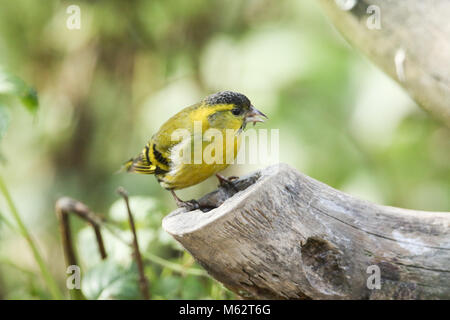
[[231, 110]]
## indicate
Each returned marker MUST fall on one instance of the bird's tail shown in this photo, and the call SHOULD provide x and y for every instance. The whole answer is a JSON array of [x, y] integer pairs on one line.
[[127, 166], [140, 164]]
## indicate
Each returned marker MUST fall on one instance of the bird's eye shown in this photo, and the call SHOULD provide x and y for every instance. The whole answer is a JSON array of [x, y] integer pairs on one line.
[[236, 111]]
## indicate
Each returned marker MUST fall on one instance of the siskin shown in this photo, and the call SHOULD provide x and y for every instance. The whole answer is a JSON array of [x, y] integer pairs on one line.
[[170, 153]]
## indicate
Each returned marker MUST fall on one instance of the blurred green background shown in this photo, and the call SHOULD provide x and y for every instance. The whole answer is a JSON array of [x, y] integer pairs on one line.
[[106, 88]]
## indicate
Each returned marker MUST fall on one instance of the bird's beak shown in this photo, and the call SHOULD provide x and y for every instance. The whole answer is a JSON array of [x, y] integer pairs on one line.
[[254, 115]]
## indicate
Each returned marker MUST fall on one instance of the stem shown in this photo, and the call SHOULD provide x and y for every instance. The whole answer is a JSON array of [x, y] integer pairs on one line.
[[111, 228], [69, 252], [174, 266], [143, 282], [48, 278], [7, 222], [64, 207]]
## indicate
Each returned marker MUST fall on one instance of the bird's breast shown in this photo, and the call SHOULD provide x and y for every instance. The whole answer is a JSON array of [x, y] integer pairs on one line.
[[195, 159]]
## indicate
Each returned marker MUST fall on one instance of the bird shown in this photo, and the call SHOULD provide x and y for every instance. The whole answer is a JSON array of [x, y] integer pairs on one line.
[[170, 152]]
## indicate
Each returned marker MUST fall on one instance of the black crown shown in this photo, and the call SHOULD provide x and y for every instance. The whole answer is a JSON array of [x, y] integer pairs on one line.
[[228, 97]]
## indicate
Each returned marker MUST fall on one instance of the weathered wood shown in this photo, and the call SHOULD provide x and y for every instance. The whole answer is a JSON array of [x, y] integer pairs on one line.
[[288, 236], [416, 33]]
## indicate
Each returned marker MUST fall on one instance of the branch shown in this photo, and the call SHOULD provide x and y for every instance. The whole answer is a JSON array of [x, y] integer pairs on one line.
[[412, 44], [65, 206], [143, 282], [288, 236]]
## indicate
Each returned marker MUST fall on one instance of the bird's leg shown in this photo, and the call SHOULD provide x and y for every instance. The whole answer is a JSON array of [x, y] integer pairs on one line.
[[227, 182], [189, 205]]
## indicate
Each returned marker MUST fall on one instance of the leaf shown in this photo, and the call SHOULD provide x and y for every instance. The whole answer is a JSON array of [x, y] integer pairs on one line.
[[192, 288], [108, 280], [117, 250], [167, 287], [29, 99], [10, 85]]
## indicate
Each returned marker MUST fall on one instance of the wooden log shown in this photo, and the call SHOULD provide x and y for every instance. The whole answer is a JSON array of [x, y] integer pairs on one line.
[[409, 40], [285, 235]]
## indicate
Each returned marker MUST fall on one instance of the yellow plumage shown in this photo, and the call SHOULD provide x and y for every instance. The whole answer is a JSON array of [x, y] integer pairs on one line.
[[224, 114]]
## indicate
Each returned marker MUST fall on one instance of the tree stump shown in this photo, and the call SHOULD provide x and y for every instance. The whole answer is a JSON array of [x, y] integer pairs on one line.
[[283, 235]]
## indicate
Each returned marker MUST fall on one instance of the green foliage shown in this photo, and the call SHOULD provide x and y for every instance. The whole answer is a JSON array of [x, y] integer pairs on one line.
[[11, 85], [23, 231], [173, 276], [109, 280], [14, 87], [110, 85], [29, 99]]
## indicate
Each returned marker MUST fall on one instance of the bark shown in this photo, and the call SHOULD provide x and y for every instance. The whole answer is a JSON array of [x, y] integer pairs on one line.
[[412, 44], [285, 235]]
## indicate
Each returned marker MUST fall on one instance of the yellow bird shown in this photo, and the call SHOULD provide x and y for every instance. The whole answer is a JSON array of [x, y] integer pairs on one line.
[[195, 143]]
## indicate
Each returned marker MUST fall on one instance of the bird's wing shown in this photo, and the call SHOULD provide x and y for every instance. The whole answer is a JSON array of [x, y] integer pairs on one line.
[[141, 164], [173, 135], [166, 137]]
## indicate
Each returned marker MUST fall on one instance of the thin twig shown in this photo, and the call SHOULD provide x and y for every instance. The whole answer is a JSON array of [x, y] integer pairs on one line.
[[65, 206], [143, 282], [112, 229]]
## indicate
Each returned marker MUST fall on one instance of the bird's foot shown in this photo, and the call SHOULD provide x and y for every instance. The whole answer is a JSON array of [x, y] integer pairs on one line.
[[227, 182], [190, 205]]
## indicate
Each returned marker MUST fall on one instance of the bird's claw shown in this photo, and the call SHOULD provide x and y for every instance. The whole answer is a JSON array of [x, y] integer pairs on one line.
[[190, 205]]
